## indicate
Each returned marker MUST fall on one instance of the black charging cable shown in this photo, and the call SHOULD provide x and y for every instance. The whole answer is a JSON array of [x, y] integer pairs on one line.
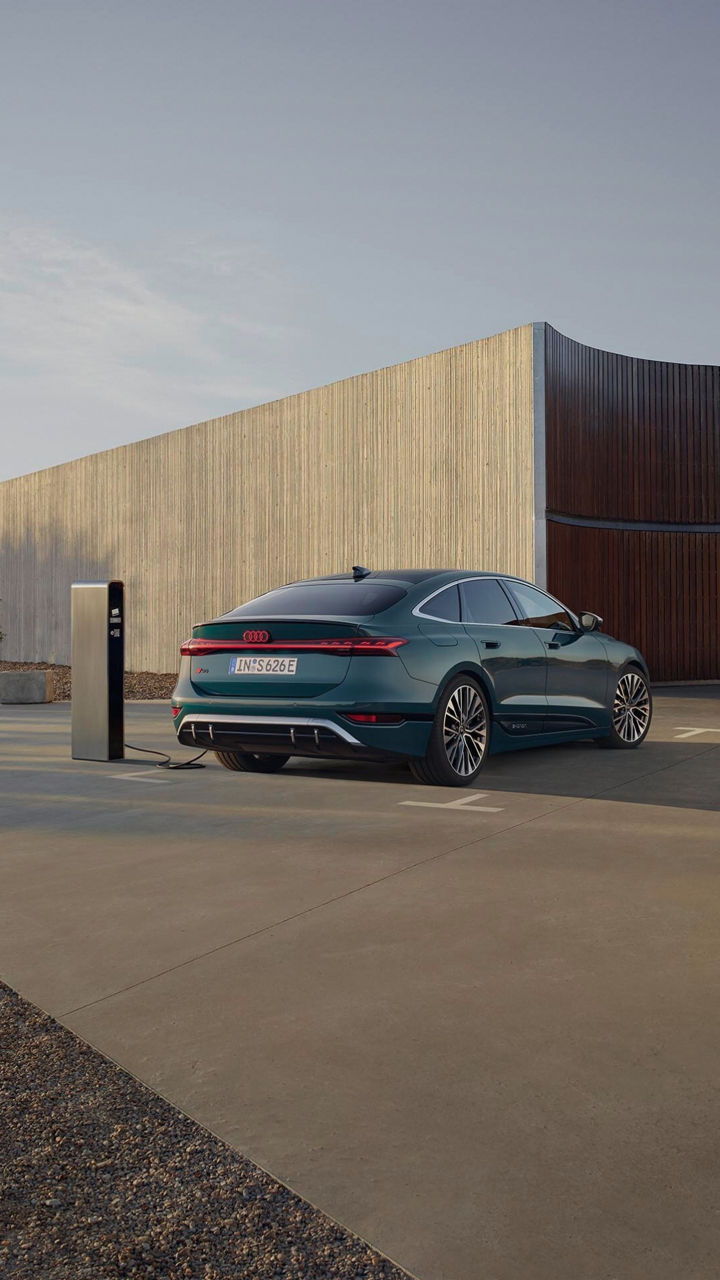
[[166, 762]]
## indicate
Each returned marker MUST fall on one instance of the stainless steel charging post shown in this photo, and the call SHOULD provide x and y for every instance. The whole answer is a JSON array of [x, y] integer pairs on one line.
[[98, 667]]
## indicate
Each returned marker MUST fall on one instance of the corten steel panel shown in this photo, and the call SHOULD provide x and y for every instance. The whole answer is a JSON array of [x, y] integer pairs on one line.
[[421, 464], [637, 441]]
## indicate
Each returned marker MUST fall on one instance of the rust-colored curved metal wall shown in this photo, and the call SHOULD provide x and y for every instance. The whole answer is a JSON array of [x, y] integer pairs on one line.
[[633, 500]]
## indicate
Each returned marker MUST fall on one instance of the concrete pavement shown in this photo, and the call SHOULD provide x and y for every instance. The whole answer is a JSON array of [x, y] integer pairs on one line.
[[481, 1035]]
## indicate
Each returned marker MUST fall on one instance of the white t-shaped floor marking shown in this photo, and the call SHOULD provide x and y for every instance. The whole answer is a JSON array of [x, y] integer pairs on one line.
[[692, 733], [462, 804]]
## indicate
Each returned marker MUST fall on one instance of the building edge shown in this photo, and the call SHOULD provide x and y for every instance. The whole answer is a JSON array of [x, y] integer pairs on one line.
[[539, 455]]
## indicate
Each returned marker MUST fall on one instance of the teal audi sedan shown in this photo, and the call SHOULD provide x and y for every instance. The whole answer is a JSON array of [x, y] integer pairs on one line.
[[437, 668]]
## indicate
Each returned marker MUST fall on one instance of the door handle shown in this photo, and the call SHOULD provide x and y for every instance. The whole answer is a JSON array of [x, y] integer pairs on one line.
[[492, 644], [552, 644]]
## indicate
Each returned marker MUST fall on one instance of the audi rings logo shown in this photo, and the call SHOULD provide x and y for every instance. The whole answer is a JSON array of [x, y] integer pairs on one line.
[[256, 637]]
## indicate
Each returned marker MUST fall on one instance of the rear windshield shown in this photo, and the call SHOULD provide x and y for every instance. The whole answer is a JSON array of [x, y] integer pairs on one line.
[[319, 599]]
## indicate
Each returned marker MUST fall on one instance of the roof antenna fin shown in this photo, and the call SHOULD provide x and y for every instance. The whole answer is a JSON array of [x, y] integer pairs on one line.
[[359, 571]]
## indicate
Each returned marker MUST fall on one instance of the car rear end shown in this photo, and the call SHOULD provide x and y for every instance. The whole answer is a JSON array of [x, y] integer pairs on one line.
[[335, 687]]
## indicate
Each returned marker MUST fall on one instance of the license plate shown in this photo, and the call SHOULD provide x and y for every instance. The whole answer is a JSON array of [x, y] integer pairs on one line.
[[259, 666]]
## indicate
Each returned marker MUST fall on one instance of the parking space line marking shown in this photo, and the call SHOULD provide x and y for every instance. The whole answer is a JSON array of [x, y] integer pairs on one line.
[[142, 774], [689, 732], [461, 804]]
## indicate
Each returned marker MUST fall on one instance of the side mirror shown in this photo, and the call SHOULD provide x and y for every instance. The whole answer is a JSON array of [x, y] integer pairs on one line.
[[589, 621]]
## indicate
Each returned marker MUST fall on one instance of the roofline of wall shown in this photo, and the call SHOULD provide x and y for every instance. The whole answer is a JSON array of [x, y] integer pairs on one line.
[[293, 395]]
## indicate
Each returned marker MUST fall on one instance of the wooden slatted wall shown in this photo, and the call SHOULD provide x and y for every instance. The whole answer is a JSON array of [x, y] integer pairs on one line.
[[633, 440], [428, 463]]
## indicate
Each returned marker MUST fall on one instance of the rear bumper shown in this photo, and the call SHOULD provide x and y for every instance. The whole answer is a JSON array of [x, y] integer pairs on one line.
[[301, 736]]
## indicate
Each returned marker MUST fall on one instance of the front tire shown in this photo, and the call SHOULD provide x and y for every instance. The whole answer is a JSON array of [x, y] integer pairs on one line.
[[248, 762], [631, 713], [459, 739]]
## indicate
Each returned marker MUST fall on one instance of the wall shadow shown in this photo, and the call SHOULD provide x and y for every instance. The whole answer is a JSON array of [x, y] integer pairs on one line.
[[36, 574], [578, 770]]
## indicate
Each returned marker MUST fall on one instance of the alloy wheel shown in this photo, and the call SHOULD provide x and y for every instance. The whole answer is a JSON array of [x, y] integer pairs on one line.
[[631, 709], [465, 730]]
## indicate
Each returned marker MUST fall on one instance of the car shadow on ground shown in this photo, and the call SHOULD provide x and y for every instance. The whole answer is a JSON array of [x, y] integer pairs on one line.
[[694, 692], [656, 773]]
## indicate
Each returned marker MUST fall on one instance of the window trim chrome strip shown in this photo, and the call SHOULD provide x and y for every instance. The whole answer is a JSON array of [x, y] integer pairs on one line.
[[480, 577], [488, 577]]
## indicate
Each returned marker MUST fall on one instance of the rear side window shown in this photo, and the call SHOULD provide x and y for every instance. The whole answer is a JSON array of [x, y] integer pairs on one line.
[[483, 600], [322, 599], [445, 605]]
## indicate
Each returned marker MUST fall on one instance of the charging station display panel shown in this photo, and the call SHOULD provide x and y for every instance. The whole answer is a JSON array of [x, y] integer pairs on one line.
[[98, 668]]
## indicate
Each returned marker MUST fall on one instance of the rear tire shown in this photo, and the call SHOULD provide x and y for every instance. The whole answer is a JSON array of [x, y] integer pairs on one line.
[[248, 762], [459, 739], [631, 713]]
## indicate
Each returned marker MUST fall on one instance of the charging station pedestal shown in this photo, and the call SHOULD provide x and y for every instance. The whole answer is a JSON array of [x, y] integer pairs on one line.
[[98, 667]]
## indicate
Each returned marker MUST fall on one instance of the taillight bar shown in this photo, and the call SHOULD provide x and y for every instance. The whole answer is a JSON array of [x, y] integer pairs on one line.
[[353, 646]]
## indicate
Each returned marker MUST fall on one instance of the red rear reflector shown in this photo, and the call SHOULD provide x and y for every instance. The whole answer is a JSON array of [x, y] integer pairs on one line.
[[366, 646], [176, 711], [372, 717]]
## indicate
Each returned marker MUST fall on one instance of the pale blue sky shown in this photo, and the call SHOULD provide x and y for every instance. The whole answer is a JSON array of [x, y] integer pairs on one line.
[[209, 205]]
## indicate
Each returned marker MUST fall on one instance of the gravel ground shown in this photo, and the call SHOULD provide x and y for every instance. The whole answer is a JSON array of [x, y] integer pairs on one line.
[[100, 1178], [139, 685]]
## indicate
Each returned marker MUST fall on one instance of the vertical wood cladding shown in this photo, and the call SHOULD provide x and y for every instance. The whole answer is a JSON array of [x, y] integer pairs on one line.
[[634, 440], [630, 439], [658, 591], [425, 463]]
